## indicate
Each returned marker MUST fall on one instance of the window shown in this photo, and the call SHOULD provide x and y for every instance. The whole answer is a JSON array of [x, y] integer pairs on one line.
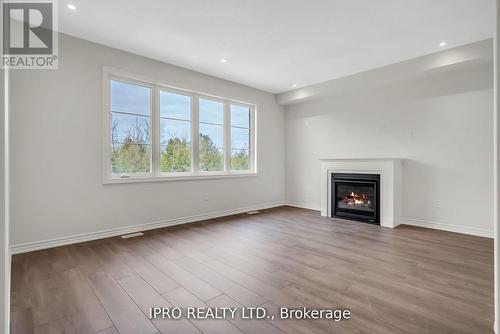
[[175, 132], [157, 132], [130, 128], [240, 137], [211, 135]]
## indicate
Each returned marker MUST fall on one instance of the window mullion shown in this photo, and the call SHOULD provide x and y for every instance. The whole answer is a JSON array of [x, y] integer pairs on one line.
[[195, 133], [155, 128], [227, 137], [252, 152], [107, 121]]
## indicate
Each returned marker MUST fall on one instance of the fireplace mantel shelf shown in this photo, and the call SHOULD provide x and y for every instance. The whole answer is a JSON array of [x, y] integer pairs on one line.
[[390, 171]]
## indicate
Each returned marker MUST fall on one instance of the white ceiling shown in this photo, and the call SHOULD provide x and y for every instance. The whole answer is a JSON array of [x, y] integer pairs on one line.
[[272, 44]]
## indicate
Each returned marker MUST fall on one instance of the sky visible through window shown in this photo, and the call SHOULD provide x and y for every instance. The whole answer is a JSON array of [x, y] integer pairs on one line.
[[240, 137], [129, 104], [130, 128], [130, 98], [135, 99], [240, 127], [175, 117]]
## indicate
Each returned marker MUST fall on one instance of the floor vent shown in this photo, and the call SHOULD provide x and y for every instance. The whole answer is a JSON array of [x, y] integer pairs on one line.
[[132, 235], [252, 212]]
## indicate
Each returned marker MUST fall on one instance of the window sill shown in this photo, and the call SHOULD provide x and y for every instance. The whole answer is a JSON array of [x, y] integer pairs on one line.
[[166, 178]]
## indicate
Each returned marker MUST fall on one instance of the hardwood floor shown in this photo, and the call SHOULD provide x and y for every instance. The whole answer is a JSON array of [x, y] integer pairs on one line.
[[406, 280]]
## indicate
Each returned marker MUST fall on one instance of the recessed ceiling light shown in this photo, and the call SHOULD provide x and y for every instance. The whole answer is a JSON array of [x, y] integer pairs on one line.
[[223, 60], [443, 44], [294, 85], [71, 6]]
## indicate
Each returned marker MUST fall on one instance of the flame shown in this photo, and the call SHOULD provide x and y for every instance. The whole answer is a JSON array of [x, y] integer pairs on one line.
[[356, 199]]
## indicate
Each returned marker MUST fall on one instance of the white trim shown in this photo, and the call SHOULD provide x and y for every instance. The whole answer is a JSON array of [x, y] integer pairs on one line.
[[253, 139], [227, 137], [195, 133], [308, 206], [155, 129], [6, 190], [496, 169], [448, 227], [181, 177], [105, 126], [56, 242]]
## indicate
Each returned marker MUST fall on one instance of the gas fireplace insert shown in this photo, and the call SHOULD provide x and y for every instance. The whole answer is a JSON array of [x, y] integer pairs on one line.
[[356, 197]]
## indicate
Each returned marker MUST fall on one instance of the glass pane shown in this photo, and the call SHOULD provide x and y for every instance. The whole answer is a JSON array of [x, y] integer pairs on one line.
[[240, 138], [129, 157], [357, 196], [175, 152], [175, 106], [130, 137], [130, 129], [240, 159], [175, 156], [211, 112], [130, 98], [173, 129], [240, 116], [211, 147]]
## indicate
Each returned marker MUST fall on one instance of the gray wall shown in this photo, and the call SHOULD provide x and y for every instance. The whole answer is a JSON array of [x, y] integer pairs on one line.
[[57, 144], [440, 123]]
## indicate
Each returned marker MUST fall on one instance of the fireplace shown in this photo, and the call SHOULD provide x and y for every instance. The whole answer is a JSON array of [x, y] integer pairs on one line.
[[356, 197]]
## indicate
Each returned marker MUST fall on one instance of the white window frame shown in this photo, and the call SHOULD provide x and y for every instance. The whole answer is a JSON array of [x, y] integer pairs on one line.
[[155, 174]]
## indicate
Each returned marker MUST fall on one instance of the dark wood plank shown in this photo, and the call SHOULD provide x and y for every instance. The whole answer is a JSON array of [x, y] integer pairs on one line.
[[180, 297], [229, 287], [150, 273], [87, 313], [146, 297], [113, 263], [124, 313], [21, 321], [197, 286], [111, 330], [62, 325], [249, 326]]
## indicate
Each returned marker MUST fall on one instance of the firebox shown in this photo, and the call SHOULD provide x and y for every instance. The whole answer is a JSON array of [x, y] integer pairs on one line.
[[356, 197]]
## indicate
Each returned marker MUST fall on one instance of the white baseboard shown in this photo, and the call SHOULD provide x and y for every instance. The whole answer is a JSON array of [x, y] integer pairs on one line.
[[303, 206], [448, 227], [56, 242], [415, 222]]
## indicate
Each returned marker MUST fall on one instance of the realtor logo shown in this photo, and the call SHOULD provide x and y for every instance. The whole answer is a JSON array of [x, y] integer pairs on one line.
[[29, 38]]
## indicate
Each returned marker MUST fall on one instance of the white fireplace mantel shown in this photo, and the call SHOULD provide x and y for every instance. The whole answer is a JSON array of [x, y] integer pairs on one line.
[[390, 171]]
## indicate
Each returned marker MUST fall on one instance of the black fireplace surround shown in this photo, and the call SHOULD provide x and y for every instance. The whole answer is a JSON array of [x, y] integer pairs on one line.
[[356, 197]]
